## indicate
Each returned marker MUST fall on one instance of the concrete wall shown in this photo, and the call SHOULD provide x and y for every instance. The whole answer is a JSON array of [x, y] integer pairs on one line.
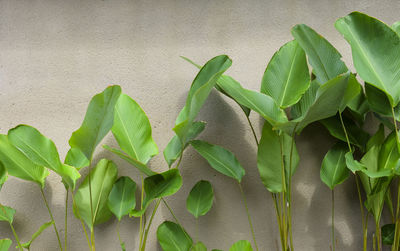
[[55, 55]]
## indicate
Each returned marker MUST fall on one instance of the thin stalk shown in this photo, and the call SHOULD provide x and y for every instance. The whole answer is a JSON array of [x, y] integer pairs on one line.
[[196, 236], [333, 221], [91, 204], [92, 239], [80, 219], [345, 132], [365, 234], [52, 218], [378, 235], [66, 222], [16, 237], [143, 248], [119, 236], [278, 217], [175, 218], [248, 216], [396, 233], [283, 197], [252, 129], [141, 225], [290, 190]]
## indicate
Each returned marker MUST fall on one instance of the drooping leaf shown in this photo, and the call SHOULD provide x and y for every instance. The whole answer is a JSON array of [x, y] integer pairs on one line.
[[3, 174], [76, 158], [242, 245], [7, 213], [18, 165], [220, 159], [333, 170], [200, 199], [173, 238], [102, 178], [5, 244], [286, 77], [27, 245], [323, 57], [199, 246], [122, 198], [375, 50], [132, 130], [42, 151], [388, 231], [269, 158], [98, 121], [158, 186]]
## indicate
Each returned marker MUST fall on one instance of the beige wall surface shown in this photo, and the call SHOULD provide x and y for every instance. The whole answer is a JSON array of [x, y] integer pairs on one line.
[[55, 55]]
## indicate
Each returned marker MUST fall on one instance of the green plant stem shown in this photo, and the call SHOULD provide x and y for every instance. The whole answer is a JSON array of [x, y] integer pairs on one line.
[[365, 233], [66, 221], [345, 132], [252, 129], [143, 248], [396, 241], [248, 216], [119, 236], [278, 217], [52, 218], [141, 225], [283, 199], [16, 237], [378, 235], [80, 219], [290, 191], [173, 215], [91, 207], [333, 221]]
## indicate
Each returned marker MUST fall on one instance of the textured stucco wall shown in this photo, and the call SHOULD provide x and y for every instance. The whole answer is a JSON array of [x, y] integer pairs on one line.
[[55, 55]]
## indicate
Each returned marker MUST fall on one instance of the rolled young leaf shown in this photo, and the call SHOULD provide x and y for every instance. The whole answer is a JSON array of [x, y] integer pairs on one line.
[[172, 237], [242, 245], [98, 121], [102, 178], [5, 244], [27, 245], [122, 198], [333, 170], [200, 198], [220, 159], [7, 213]]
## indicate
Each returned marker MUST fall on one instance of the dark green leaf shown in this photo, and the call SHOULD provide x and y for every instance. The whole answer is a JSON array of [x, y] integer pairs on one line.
[[379, 102], [200, 199], [333, 170], [122, 198], [173, 238], [388, 234]]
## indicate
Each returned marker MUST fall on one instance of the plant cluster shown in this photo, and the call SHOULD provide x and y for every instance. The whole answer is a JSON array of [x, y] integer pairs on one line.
[[290, 98]]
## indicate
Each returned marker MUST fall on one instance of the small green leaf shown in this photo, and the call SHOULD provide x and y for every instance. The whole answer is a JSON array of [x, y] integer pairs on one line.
[[158, 186], [333, 171], [5, 244], [388, 231], [220, 159], [76, 158], [122, 198], [242, 245], [173, 238], [102, 178], [98, 121], [200, 199], [27, 245], [352, 164], [3, 174], [199, 247], [6, 213]]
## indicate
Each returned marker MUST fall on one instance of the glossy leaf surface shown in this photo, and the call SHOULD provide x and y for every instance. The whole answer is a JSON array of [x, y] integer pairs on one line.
[[333, 170], [122, 198], [27, 245], [173, 238], [200, 199]]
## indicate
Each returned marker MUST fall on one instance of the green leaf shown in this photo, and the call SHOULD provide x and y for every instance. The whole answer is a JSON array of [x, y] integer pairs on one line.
[[173, 238], [27, 245], [5, 244], [379, 102], [98, 121], [286, 77], [389, 156], [269, 158], [352, 164], [18, 165], [376, 54], [132, 130], [388, 231], [42, 151], [76, 158], [158, 186], [377, 139], [200, 199], [358, 106], [199, 247], [333, 170], [140, 166], [122, 198], [102, 178], [258, 102], [242, 245], [3, 174], [6, 213], [396, 27], [220, 159]]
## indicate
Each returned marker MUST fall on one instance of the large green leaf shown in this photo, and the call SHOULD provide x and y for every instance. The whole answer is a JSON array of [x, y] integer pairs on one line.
[[172, 237], [286, 77], [333, 170], [199, 247], [18, 165], [132, 130], [98, 121], [158, 186], [379, 102], [200, 199], [5, 244], [76, 158], [102, 178], [242, 245], [323, 57], [3, 174], [42, 151], [122, 198], [27, 245], [7, 213], [220, 159], [376, 54]]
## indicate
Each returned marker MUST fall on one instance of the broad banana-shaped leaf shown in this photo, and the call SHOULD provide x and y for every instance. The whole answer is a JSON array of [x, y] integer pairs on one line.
[[199, 247], [102, 178], [286, 77], [98, 121], [6, 213], [242, 245], [5, 244], [376, 54], [76, 158], [42, 151], [3, 174], [198, 93], [173, 237], [158, 186], [174, 148], [333, 170], [122, 198], [379, 102], [323, 57], [220, 159], [132, 130], [27, 245], [200, 199], [269, 158], [18, 165]]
